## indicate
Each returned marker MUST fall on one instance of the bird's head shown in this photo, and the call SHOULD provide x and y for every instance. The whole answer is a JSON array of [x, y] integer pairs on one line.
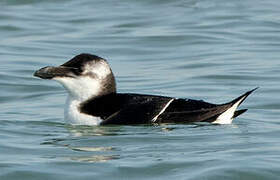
[[84, 76]]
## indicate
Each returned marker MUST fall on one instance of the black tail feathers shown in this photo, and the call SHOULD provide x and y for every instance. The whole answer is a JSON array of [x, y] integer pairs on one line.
[[243, 97]]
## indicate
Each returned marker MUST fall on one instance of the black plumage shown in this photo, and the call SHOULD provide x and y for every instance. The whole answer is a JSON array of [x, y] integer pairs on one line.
[[121, 108], [117, 108]]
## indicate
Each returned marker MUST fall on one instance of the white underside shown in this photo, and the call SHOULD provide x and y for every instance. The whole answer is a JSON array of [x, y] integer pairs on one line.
[[227, 116], [73, 115]]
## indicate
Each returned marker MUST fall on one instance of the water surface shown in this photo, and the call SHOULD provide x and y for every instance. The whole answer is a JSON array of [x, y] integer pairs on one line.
[[202, 49]]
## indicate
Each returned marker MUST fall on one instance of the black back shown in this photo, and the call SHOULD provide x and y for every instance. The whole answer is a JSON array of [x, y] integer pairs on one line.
[[141, 109], [105, 106]]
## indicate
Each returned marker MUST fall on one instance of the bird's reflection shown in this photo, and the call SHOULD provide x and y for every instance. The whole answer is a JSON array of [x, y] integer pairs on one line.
[[79, 131], [94, 158]]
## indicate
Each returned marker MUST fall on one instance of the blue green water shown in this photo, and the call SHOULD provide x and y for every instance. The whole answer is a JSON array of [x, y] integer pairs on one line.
[[203, 49]]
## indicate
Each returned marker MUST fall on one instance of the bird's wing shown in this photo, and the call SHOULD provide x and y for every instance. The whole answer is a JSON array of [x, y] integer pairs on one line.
[[138, 113], [164, 110], [142, 109], [180, 111], [203, 113]]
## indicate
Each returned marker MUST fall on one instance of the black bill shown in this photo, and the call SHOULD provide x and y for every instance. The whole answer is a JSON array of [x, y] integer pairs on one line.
[[50, 72]]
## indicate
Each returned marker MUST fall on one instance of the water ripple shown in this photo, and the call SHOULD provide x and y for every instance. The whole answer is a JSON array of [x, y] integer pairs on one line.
[[212, 50]]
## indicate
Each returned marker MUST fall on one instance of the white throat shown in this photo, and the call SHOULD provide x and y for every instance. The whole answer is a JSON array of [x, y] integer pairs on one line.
[[79, 90], [73, 115]]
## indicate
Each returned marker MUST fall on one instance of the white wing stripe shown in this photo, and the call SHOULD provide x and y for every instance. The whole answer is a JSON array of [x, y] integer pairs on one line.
[[167, 104]]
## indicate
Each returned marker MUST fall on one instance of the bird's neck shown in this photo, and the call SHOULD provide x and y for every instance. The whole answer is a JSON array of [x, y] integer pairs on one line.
[[73, 114]]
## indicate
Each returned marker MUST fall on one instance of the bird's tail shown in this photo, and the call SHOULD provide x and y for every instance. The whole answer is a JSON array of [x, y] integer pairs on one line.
[[227, 116]]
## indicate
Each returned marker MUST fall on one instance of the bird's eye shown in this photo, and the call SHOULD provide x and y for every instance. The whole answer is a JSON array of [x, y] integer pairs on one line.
[[77, 71]]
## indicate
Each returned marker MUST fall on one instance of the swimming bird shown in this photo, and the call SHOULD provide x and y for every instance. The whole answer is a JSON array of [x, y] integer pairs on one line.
[[93, 99]]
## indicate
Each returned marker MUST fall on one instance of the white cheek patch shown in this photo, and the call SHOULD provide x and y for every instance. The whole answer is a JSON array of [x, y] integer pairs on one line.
[[80, 88], [102, 69]]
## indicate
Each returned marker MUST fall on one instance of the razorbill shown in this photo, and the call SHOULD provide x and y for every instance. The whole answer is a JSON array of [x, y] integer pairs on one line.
[[93, 99]]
